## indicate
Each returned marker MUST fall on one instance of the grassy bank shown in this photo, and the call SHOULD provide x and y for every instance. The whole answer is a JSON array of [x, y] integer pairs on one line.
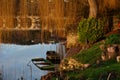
[[102, 70]]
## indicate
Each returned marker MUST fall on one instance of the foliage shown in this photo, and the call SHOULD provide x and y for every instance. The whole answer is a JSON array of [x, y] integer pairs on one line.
[[113, 39], [90, 30], [90, 55], [97, 71]]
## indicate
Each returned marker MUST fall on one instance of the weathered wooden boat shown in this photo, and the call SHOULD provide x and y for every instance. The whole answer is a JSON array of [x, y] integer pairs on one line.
[[48, 67], [43, 64], [41, 61], [53, 56], [38, 59]]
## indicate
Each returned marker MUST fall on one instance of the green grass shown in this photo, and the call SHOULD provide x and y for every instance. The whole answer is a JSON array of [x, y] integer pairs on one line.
[[90, 55], [93, 53], [96, 71], [53, 78], [113, 39]]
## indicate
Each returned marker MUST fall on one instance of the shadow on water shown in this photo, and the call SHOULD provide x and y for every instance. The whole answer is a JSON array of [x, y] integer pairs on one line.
[[23, 37], [28, 37]]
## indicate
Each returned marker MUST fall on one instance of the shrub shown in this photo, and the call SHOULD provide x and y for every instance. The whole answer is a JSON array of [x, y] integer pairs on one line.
[[90, 30]]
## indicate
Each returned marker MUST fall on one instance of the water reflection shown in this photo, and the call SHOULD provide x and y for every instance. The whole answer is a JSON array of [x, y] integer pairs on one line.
[[14, 60]]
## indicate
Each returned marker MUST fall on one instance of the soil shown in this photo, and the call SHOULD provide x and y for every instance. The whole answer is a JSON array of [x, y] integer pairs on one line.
[[113, 32], [73, 50]]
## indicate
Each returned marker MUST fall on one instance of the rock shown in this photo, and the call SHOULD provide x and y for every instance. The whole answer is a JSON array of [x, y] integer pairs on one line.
[[86, 65], [104, 57], [70, 64], [118, 58], [110, 52], [113, 51], [102, 47]]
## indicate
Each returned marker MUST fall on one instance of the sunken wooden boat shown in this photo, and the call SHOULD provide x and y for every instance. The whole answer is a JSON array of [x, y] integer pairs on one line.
[[48, 67], [38, 59], [41, 61], [53, 56], [43, 64]]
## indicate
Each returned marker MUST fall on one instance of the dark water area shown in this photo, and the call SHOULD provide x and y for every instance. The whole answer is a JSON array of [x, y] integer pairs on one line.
[[23, 37], [14, 59], [28, 37]]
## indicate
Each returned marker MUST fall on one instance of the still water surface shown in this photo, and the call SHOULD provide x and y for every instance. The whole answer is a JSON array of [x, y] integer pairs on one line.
[[14, 60]]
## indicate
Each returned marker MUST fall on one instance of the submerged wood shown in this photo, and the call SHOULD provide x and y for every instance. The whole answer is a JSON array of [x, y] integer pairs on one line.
[[38, 59], [53, 56], [50, 67], [43, 64], [49, 63]]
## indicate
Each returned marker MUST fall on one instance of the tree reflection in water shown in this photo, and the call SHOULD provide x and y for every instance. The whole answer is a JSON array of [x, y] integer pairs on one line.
[[14, 59]]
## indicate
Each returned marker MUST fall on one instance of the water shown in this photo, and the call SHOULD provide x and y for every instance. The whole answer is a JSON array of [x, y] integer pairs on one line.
[[14, 60]]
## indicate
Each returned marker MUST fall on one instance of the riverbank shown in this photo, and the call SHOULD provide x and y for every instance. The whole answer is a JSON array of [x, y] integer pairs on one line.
[[88, 64], [92, 64]]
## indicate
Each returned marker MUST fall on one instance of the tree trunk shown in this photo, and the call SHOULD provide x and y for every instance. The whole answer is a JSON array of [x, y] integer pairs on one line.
[[93, 8], [110, 15], [110, 21]]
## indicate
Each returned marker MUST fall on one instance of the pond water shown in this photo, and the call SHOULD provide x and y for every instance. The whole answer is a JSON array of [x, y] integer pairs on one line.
[[14, 60]]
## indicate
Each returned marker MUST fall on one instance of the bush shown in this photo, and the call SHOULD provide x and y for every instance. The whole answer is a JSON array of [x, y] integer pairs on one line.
[[90, 30]]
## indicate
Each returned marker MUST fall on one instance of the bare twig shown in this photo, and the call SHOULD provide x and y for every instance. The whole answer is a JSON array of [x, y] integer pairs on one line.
[[109, 76]]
